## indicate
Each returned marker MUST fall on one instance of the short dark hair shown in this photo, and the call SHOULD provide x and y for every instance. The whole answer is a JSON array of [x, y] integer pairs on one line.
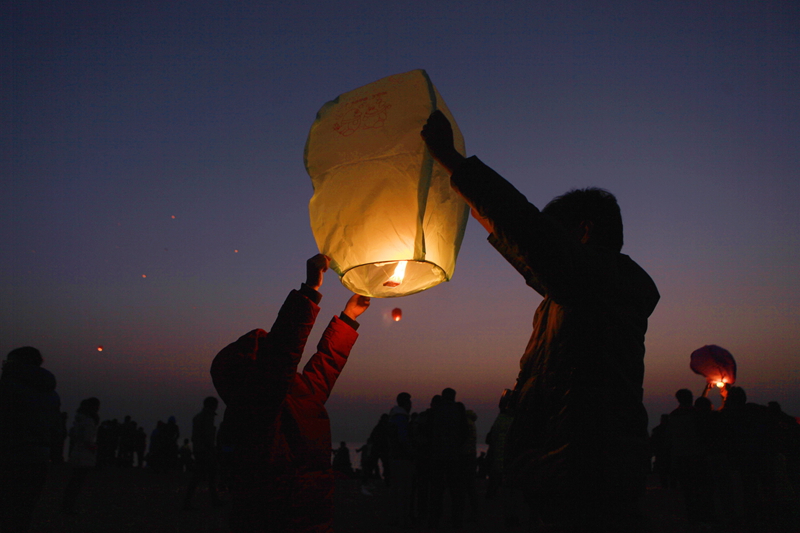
[[684, 397], [26, 354], [594, 205], [449, 394], [210, 403], [403, 397]]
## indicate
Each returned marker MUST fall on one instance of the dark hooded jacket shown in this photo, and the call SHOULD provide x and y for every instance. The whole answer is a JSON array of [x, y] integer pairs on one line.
[[579, 403], [275, 418], [30, 413]]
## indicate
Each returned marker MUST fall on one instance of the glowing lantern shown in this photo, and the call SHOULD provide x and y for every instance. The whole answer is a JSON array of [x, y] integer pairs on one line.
[[99, 348], [383, 209], [715, 364], [397, 314]]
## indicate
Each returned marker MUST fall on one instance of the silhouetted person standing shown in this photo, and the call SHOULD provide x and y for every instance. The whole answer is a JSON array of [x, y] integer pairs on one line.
[[659, 447], [401, 461], [275, 420], [448, 432], [140, 446], [341, 460], [496, 439], [578, 444], [30, 425], [83, 450], [204, 447], [685, 457]]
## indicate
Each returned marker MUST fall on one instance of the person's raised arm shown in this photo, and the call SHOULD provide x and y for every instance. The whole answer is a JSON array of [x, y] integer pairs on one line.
[[320, 373], [356, 305], [438, 136], [315, 268]]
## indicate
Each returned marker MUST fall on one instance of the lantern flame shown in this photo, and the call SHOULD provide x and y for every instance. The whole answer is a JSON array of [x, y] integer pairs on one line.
[[720, 384], [399, 273]]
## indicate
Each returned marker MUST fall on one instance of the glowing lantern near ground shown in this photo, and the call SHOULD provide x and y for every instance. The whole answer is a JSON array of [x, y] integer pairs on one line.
[[397, 314], [715, 364], [383, 209]]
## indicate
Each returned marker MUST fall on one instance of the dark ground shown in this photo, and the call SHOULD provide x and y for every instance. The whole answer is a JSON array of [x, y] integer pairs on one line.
[[141, 501]]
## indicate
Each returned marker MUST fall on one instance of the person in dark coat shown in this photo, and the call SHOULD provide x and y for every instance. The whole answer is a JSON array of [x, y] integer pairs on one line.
[[448, 431], [578, 444], [30, 426], [204, 448], [275, 419]]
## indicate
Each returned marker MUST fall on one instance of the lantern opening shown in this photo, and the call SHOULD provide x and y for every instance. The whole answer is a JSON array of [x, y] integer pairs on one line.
[[720, 384], [376, 279]]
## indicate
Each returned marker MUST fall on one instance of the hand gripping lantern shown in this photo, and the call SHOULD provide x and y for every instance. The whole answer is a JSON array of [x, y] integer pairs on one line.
[[383, 209]]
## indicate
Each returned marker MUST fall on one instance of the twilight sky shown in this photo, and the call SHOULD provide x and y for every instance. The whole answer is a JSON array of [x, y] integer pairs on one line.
[[154, 199]]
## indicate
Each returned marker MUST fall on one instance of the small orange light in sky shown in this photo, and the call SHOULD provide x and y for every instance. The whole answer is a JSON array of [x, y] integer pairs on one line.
[[144, 275], [397, 314], [236, 251], [99, 348], [173, 216]]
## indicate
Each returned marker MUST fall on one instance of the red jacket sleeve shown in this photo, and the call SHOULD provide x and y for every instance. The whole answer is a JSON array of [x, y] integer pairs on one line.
[[322, 370]]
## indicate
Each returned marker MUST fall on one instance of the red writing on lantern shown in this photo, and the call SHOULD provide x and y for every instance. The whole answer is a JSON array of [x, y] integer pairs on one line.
[[365, 113]]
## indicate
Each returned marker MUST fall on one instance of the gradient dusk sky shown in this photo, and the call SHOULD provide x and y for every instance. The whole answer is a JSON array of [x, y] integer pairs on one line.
[[154, 199]]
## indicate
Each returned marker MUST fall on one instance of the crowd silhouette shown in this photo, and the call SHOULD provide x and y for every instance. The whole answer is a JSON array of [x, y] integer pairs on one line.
[[739, 463], [736, 464]]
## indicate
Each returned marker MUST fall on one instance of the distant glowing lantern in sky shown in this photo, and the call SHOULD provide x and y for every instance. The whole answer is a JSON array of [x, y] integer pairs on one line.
[[397, 314], [715, 364], [99, 348], [383, 209]]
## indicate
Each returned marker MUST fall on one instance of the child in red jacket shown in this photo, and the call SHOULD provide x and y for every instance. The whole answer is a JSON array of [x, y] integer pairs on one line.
[[275, 418]]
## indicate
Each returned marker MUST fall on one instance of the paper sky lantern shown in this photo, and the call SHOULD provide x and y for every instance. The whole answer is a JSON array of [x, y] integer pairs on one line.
[[397, 314], [383, 209], [715, 364]]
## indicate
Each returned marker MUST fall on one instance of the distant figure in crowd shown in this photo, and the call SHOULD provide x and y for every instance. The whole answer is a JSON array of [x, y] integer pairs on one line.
[[341, 460], [185, 454], [127, 442], [57, 450], [660, 449], [83, 456], [369, 467], [107, 443], [471, 465], [578, 444], [140, 446], [380, 446], [448, 430], [275, 420], [204, 446], [423, 472], [401, 462], [496, 439], [687, 462], [158, 455], [170, 434], [30, 425]]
